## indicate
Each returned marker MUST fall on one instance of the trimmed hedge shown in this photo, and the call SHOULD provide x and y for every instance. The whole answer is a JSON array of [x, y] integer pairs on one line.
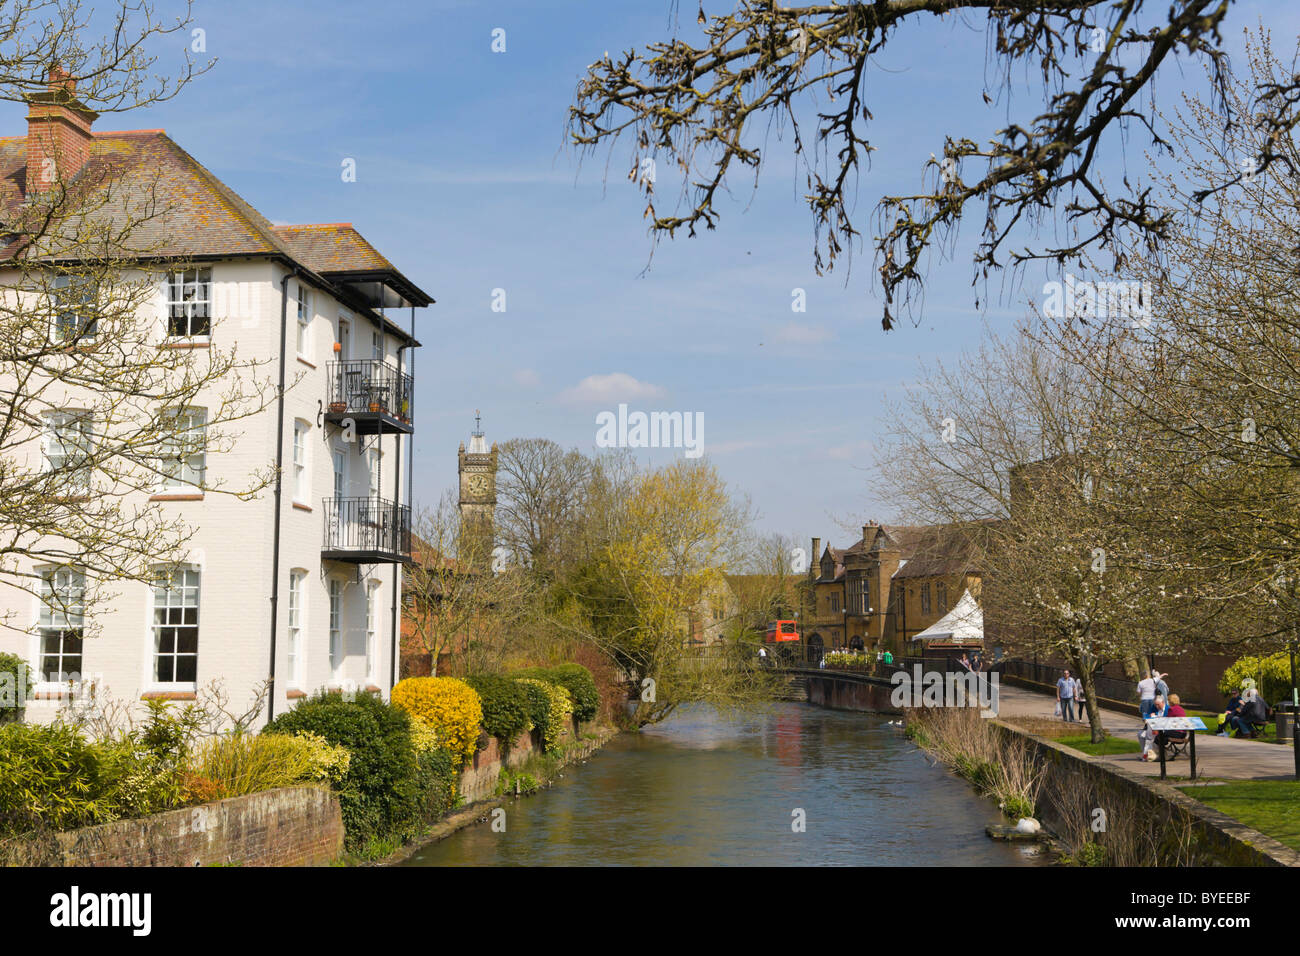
[[506, 710], [447, 705], [574, 678], [380, 795], [559, 710], [539, 702]]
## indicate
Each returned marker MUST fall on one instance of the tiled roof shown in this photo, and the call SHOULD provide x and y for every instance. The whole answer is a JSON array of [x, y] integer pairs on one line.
[[333, 247], [177, 208]]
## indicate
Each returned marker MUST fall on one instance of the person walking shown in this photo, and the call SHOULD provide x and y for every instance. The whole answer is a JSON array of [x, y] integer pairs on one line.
[[1065, 695], [1146, 695], [1079, 702], [1162, 689]]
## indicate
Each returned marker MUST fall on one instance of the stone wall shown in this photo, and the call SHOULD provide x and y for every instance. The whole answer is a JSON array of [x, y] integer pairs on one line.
[[851, 692], [293, 826], [1080, 784]]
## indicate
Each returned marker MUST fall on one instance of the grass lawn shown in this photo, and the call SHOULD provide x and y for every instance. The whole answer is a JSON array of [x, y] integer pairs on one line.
[[1270, 806], [1109, 746]]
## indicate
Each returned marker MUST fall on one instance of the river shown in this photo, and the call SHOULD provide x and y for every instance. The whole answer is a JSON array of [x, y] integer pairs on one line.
[[703, 789]]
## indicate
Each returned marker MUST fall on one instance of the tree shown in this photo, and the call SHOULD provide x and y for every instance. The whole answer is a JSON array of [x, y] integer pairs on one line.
[[695, 105], [662, 541], [1215, 377], [1021, 450], [455, 600], [81, 367], [539, 492]]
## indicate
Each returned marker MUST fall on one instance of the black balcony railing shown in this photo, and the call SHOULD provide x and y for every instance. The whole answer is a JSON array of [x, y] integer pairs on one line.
[[366, 531], [368, 386]]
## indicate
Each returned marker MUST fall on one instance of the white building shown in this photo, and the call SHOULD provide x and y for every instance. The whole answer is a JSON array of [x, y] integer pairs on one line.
[[300, 584]]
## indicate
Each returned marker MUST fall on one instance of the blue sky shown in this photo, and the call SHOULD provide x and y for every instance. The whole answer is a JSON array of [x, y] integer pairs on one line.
[[465, 181]]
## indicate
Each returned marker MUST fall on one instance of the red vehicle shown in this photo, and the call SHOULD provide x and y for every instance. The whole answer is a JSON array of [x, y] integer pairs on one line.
[[780, 632]]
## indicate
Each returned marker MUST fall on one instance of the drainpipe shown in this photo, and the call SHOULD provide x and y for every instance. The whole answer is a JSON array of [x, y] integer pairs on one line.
[[279, 482], [397, 506]]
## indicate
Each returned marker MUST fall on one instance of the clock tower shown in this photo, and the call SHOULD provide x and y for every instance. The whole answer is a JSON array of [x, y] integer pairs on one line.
[[477, 469]]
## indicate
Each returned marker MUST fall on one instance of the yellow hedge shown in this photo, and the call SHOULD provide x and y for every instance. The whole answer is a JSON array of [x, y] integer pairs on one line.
[[447, 706], [561, 709]]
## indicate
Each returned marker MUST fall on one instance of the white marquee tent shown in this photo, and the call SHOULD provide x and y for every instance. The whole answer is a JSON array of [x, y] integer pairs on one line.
[[963, 626]]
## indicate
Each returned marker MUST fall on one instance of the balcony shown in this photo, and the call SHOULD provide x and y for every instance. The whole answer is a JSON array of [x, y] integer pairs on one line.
[[377, 398], [367, 531]]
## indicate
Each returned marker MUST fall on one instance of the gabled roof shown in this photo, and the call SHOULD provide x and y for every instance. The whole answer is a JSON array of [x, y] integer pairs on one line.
[[178, 209]]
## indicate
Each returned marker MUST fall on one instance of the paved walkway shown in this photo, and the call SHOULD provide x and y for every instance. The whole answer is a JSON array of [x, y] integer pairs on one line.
[[1222, 757]]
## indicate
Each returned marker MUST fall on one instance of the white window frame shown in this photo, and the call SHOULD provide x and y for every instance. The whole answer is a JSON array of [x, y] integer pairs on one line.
[[58, 446], [339, 459], [374, 486], [184, 579], [60, 618], [185, 471], [188, 300], [301, 462], [334, 590], [377, 350], [68, 303], [372, 629], [303, 340], [296, 620]]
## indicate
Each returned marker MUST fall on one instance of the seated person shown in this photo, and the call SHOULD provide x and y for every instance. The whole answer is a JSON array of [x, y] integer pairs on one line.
[[1175, 709], [1232, 710], [1147, 736], [1254, 713]]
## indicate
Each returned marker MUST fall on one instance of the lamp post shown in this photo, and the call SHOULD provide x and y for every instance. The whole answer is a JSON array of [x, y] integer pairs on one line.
[[1295, 710]]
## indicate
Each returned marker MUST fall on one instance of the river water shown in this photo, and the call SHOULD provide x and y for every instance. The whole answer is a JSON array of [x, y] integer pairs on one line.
[[702, 789]]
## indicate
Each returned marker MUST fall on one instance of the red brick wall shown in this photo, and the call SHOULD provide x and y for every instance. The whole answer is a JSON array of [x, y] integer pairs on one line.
[[294, 826]]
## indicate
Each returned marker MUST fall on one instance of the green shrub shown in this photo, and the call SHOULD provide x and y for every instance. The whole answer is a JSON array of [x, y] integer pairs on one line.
[[15, 685], [448, 706], [1272, 676], [1090, 854], [559, 710], [539, 703], [239, 764], [380, 793], [55, 778], [578, 681], [438, 777], [506, 712], [574, 678]]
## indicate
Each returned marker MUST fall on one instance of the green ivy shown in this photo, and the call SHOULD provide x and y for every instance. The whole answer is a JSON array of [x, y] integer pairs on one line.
[[506, 708]]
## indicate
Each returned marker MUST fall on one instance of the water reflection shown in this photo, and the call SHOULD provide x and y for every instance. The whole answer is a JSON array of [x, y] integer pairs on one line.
[[704, 789]]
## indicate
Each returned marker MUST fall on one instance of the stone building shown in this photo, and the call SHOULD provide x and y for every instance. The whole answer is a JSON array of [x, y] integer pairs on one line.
[[885, 588]]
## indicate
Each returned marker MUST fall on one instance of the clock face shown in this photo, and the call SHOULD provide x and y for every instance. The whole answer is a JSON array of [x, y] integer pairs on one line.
[[477, 484]]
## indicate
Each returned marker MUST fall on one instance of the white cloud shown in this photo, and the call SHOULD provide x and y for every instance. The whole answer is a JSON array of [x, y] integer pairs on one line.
[[797, 334], [527, 378], [609, 389], [852, 450]]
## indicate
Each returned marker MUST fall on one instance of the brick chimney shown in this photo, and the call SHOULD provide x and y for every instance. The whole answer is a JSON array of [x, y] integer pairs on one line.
[[58, 133], [816, 555]]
